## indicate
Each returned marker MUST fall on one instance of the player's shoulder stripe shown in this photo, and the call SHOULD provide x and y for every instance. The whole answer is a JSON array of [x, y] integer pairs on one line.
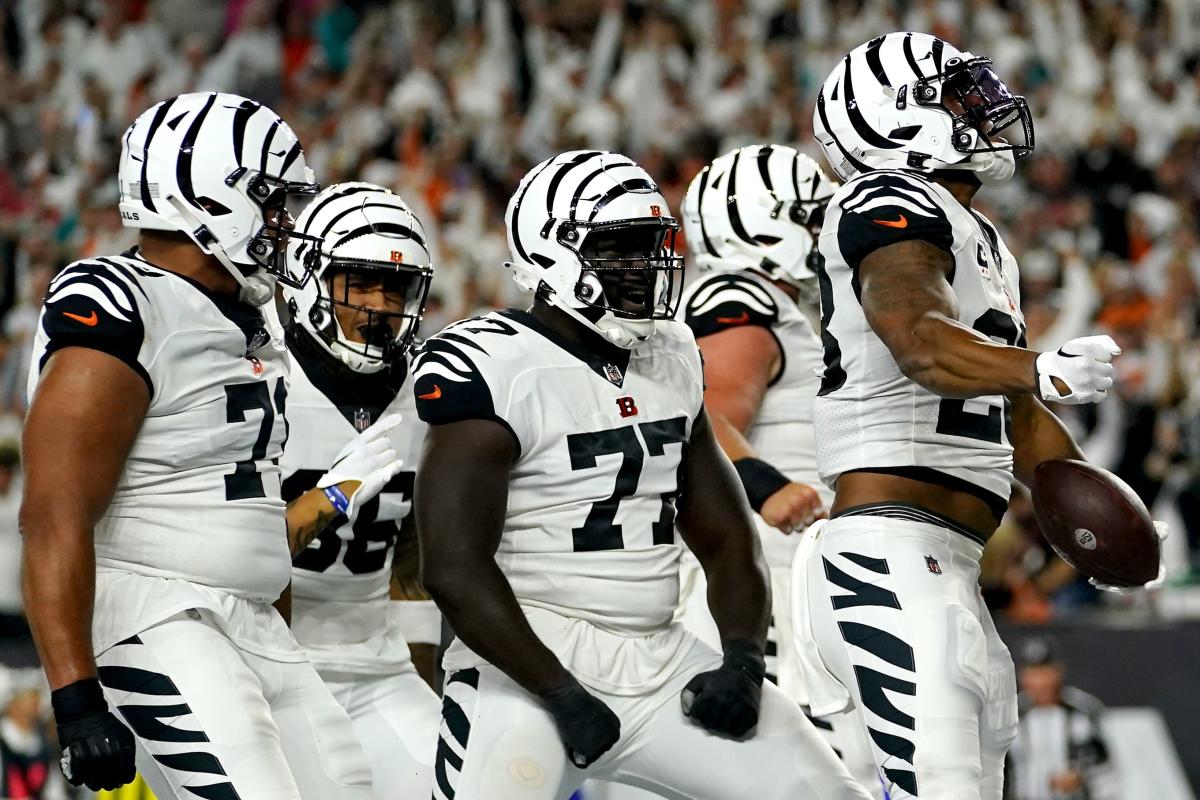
[[735, 288], [111, 289], [891, 188]]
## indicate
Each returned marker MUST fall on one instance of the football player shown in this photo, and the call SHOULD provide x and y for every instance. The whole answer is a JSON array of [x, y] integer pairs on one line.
[[751, 218], [566, 444], [155, 532], [350, 331], [929, 404]]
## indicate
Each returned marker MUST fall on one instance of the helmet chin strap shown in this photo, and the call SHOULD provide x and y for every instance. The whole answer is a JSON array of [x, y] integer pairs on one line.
[[255, 289], [999, 167]]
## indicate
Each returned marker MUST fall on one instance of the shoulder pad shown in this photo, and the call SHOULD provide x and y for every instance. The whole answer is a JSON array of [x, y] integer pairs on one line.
[[96, 304], [448, 382], [884, 208], [729, 300]]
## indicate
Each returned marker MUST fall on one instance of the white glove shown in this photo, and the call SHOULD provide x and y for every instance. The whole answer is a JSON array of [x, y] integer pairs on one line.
[[1084, 365], [1163, 530], [369, 459]]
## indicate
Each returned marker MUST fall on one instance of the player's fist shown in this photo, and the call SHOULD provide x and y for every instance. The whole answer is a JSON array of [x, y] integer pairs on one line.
[[725, 701], [1081, 367], [366, 463], [97, 750], [587, 726], [793, 507]]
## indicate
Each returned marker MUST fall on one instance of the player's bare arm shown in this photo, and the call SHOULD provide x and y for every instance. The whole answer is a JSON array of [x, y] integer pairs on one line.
[[910, 305], [740, 364], [84, 419], [308, 515], [1038, 436], [406, 586], [714, 519], [460, 505]]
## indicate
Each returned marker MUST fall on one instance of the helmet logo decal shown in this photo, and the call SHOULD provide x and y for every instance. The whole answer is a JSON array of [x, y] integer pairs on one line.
[[397, 257], [655, 211]]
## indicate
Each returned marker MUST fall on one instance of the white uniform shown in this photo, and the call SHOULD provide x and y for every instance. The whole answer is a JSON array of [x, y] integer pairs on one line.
[[889, 592], [341, 613], [193, 547], [781, 435], [590, 550]]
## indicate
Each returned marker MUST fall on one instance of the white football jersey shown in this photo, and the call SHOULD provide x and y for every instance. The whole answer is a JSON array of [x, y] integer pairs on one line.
[[340, 586], [589, 531], [868, 414], [782, 432], [199, 497]]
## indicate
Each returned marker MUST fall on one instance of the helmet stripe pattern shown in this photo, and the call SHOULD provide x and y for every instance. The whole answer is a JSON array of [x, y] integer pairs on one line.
[[731, 203], [761, 217], [875, 62], [183, 167], [515, 230], [266, 145], [869, 134], [575, 198], [620, 189], [159, 116], [703, 178], [562, 173], [241, 118]]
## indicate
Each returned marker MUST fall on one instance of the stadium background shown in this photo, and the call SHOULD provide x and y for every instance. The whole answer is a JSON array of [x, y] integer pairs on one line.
[[450, 101]]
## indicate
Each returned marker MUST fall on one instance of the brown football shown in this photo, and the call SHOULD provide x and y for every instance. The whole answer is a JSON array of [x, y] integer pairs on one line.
[[1095, 522]]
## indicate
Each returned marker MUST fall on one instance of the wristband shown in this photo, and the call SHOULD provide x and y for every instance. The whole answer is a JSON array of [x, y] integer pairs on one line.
[[746, 657], [77, 699], [759, 479], [337, 498]]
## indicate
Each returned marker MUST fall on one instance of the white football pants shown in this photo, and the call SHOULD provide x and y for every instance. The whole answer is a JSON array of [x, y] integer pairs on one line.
[[215, 721], [889, 619], [396, 720], [498, 742]]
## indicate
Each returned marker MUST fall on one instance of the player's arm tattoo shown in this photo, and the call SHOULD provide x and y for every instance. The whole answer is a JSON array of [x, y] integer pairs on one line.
[[911, 307], [307, 516], [1037, 436]]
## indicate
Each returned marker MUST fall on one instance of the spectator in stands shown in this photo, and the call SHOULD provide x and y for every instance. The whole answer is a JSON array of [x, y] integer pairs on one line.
[[28, 759], [1059, 753]]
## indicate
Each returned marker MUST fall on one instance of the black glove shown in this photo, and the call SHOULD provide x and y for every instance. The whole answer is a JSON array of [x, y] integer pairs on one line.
[[97, 750], [725, 700], [587, 726]]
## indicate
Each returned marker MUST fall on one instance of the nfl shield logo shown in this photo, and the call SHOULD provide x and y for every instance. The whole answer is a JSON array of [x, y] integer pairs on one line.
[[362, 420], [613, 373], [933, 565]]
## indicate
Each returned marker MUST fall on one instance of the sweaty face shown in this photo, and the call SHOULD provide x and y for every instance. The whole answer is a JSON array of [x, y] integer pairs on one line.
[[622, 262], [368, 304]]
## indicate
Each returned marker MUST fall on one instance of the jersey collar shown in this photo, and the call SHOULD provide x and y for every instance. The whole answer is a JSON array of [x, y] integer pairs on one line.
[[608, 361]]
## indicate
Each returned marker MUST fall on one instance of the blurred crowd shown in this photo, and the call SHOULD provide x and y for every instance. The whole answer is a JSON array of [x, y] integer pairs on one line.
[[450, 101]]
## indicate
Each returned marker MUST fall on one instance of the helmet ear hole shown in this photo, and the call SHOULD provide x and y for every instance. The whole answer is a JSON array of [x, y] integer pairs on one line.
[[589, 289]]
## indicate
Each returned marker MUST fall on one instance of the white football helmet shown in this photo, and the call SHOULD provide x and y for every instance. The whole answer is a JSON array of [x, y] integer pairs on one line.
[[591, 233], [363, 230], [759, 208], [220, 169], [912, 101]]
